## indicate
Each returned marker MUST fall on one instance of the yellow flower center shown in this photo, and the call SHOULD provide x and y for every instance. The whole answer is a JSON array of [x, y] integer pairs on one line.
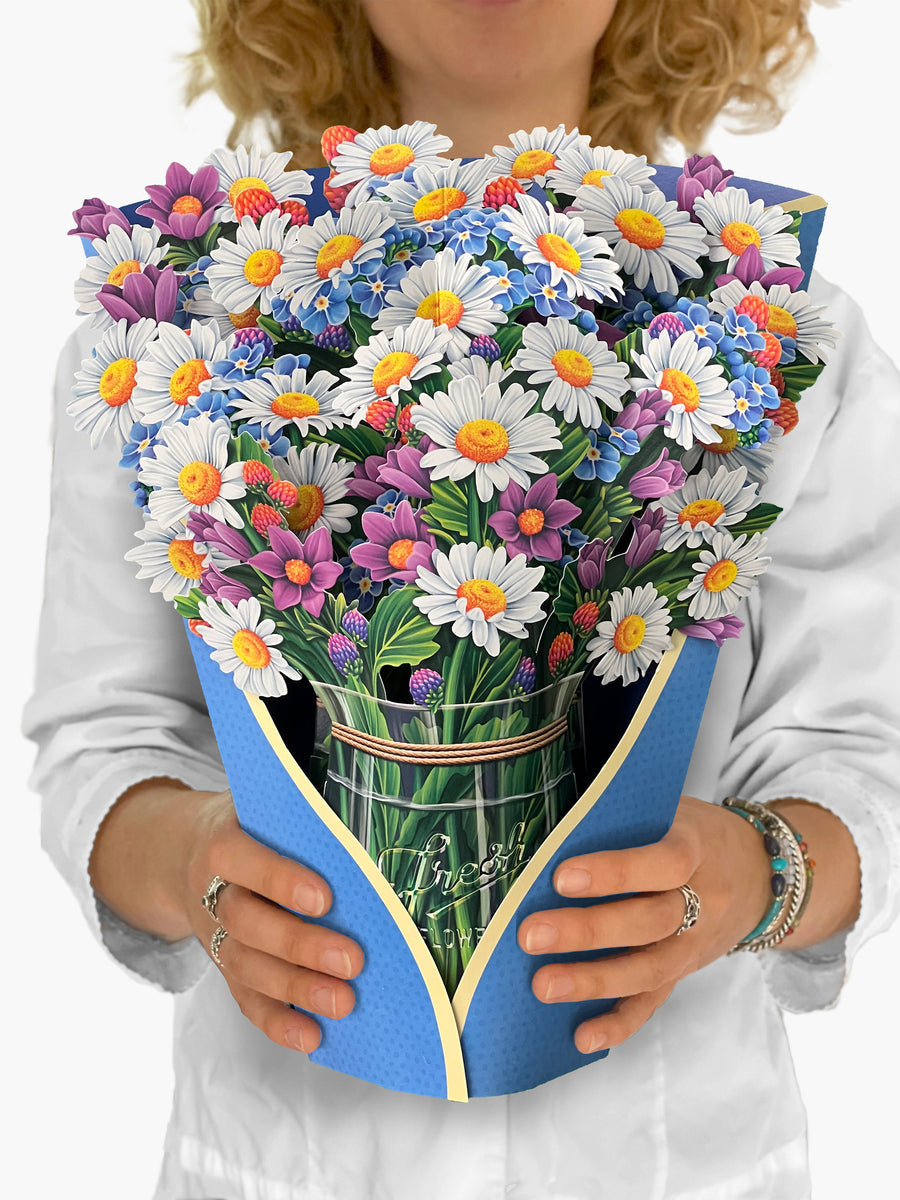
[[726, 445], [298, 571], [596, 176], [129, 267], [560, 252], [391, 369], [436, 205], [781, 321], [681, 387], [481, 593], [200, 482], [737, 236], [443, 308], [186, 379], [641, 228], [188, 204], [629, 633], [482, 441], [532, 162], [309, 507], [184, 558], [707, 510], [720, 575], [117, 382], [293, 405], [399, 552], [391, 158], [531, 521], [241, 185], [573, 367], [246, 319], [336, 252], [251, 649], [262, 266]]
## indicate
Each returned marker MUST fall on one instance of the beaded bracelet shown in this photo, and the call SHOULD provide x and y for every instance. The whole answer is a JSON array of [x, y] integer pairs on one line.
[[792, 872]]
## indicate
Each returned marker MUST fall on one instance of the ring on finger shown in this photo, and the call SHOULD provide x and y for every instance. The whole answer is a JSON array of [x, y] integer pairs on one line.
[[217, 939], [210, 897], [691, 908]]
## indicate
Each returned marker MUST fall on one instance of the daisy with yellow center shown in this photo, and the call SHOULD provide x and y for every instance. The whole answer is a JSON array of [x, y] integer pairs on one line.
[[578, 261], [733, 223], [321, 484], [189, 472], [434, 192], [592, 166], [482, 592], [242, 169], [533, 156], [245, 644], [112, 260], [244, 272], [377, 156], [176, 369], [169, 558], [724, 575], [651, 238], [390, 364], [491, 434], [696, 389], [274, 401], [705, 505], [634, 638], [105, 384], [578, 370], [728, 452], [790, 315]]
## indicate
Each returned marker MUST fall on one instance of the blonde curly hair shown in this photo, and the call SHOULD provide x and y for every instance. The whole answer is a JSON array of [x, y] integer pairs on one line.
[[662, 70]]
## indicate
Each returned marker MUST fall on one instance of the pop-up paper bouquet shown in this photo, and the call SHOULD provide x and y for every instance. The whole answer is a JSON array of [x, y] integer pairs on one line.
[[473, 448]]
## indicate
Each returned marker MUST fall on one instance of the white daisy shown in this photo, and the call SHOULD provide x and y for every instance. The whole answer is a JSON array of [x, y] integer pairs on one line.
[[728, 452], [450, 292], [245, 645], [541, 236], [199, 305], [375, 157], [733, 223], [435, 192], [790, 315], [650, 236], [176, 369], [245, 271], [241, 169], [533, 155], [389, 365], [635, 638], [485, 432], [105, 385], [116, 257], [705, 505], [320, 484], [698, 392], [168, 558], [480, 369], [482, 592], [592, 166], [331, 248], [274, 401], [578, 370], [190, 473], [725, 575]]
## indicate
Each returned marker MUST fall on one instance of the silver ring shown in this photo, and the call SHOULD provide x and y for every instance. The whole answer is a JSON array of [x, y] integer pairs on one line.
[[691, 907], [211, 897], [217, 939]]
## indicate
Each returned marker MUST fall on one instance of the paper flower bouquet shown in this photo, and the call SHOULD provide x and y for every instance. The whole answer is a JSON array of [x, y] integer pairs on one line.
[[458, 443]]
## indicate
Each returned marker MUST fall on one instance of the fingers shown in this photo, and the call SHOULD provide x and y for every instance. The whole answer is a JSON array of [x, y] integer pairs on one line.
[[239, 858], [655, 868], [293, 1030], [620, 1022], [645, 969], [636, 921]]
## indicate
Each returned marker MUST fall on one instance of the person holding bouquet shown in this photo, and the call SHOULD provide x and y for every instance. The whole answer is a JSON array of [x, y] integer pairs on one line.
[[697, 1098]]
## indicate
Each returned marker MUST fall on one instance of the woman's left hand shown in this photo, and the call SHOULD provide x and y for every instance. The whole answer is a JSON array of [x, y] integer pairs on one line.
[[716, 851]]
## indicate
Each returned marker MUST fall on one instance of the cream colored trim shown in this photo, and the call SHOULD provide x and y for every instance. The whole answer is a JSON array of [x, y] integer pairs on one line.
[[804, 204]]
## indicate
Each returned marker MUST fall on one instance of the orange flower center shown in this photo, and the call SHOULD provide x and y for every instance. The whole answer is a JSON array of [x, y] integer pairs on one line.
[[629, 633], [781, 321], [129, 267], [707, 510], [532, 162], [720, 575], [482, 441], [241, 185], [184, 558], [560, 252], [726, 445], [309, 507], [641, 228], [573, 367], [262, 266], [531, 521], [117, 382], [336, 252], [737, 236], [246, 319], [399, 552], [293, 405], [481, 593], [391, 158], [436, 205], [251, 649], [681, 387], [596, 176], [186, 380], [200, 482], [188, 204], [443, 308], [298, 571], [391, 369]]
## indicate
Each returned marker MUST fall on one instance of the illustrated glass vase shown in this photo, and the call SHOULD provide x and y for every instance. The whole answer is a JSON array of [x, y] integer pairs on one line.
[[452, 801]]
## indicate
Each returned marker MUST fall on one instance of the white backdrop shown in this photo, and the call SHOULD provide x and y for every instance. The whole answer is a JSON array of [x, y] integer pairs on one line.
[[91, 99]]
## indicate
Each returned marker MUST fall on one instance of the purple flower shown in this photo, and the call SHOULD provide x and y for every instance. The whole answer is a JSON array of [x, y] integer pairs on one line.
[[95, 218], [714, 629], [254, 336], [484, 347], [333, 337], [426, 688], [662, 477], [397, 545], [530, 522], [365, 480], [646, 532], [522, 682], [184, 206], [700, 174], [343, 653], [219, 536], [354, 623], [750, 268], [668, 322], [644, 413], [215, 583], [402, 469], [592, 563], [149, 293], [303, 571]]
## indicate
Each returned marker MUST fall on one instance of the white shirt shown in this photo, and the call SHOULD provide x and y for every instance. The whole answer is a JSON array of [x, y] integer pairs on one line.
[[702, 1103]]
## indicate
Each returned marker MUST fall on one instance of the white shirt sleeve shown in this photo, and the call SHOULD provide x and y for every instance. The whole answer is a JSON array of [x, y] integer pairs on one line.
[[116, 697]]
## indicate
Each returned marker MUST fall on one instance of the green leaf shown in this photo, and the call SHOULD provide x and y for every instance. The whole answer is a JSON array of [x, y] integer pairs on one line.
[[798, 376], [188, 606], [356, 443], [624, 347], [492, 676], [757, 520], [398, 633], [606, 511], [509, 338], [271, 327], [244, 449], [361, 327], [448, 512], [575, 445], [569, 595]]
